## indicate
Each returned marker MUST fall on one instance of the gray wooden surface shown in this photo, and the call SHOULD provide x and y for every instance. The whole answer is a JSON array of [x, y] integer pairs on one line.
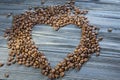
[[56, 45]]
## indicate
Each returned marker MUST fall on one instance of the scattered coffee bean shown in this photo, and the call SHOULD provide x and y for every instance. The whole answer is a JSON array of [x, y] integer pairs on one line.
[[8, 63], [1, 64], [109, 29], [6, 75], [9, 14], [100, 38]]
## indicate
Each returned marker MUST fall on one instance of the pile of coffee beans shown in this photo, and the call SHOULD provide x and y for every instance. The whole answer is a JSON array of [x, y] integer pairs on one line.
[[24, 51]]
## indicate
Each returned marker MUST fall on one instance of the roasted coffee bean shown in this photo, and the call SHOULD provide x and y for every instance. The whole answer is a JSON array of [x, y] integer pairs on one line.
[[97, 53], [8, 63], [9, 14], [6, 75], [14, 61], [62, 74], [100, 38], [30, 8], [1, 64], [42, 1], [78, 66], [109, 29]]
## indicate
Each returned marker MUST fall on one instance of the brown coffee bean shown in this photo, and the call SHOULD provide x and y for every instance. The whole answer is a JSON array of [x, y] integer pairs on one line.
[[46, 73], [19, 62], [100, 38], [83, 55], [97, 53], [50, 76], [69, 55], [10, 59], [17, 47], [8, 63], [66, 68], [78, 66], [109, 29], [14, 61], [82, 61], [1, 64], [71, 65], [71, 58], [62, 74], [27, 64], [59, 64], [42, 1], [6, 75], [9, 14], [56, 76], [53, 71], [61, 70], [30, 8], [43, 72], [86, 59], [56, 28]]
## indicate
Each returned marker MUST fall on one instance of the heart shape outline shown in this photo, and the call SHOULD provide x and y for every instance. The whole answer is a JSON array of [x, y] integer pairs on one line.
[[23, 48]]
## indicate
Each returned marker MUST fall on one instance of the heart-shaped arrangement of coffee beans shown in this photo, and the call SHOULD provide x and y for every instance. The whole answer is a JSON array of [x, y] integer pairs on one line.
[[24, 51]]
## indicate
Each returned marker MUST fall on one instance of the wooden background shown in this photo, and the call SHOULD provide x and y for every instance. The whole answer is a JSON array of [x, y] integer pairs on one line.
[[56, 45]]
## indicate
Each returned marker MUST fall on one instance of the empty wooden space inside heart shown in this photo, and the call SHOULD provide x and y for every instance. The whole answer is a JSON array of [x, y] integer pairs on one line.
[[56, 44], [24, 51]]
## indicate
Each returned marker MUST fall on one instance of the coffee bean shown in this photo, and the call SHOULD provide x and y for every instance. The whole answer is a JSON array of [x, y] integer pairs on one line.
[[14, 61], [78, 66], [9, 14], [109, 29], [62, 74], [100, 38], [6, 75], [8, 63], [1, 64], [97, 53]]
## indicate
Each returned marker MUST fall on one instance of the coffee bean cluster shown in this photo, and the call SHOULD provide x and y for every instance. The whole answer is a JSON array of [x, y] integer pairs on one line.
[[24, 51]]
